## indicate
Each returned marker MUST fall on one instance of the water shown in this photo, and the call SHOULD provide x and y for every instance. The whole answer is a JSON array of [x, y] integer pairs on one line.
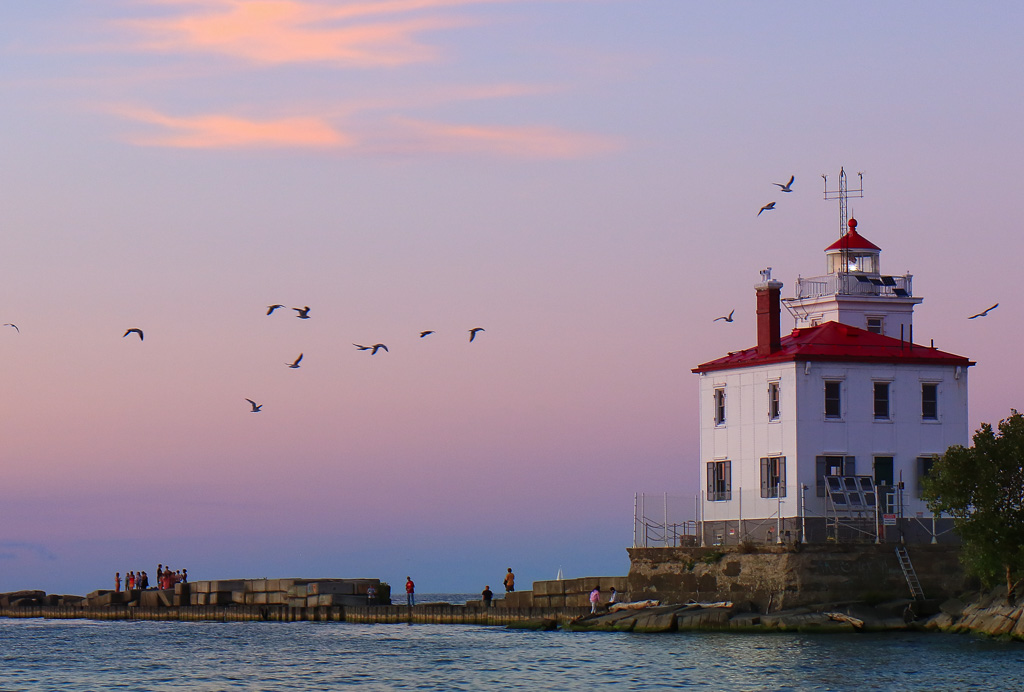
[[125, 655]]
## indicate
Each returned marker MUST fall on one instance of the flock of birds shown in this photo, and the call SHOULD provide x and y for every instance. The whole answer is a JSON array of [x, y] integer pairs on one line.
[[303, 314]]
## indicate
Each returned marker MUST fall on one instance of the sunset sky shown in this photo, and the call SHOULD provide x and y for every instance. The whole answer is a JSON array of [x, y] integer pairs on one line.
[[581, 178]]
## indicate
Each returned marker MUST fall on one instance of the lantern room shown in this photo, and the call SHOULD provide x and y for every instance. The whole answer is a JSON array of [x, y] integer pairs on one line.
[[853, 253]]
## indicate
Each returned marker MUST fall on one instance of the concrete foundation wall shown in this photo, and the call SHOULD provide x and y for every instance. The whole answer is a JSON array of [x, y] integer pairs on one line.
[[790, 576]]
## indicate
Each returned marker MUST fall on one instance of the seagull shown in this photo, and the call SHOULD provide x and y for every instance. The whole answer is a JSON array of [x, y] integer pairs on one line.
[[8, 324], [296, 363], [423, 334], [473, 331], [255, 407], [136, 330], [727, 319], [983, 314], [788, 187], [377, 347], [303, 313], [271, 308], [362, 348], [768, 207]]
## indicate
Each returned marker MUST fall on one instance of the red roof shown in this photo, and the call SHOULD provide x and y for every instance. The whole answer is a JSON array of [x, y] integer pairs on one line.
[[836, 342], [853, 241]]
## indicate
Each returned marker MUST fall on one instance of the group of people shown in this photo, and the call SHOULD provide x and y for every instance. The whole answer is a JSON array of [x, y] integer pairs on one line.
[[510, 585], [166, 579]]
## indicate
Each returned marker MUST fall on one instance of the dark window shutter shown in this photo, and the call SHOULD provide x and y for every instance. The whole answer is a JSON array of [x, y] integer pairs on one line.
[[764, 477], [711, 480], [782, 476], [850, 466], [727, 467], [819, 463]]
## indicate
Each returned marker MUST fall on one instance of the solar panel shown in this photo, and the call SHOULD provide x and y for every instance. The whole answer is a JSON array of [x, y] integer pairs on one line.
[[888, 281], [877, 282], [863, 279], [902, 293]]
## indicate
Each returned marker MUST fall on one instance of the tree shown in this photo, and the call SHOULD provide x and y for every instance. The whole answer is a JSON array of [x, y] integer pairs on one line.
[[982, 488]]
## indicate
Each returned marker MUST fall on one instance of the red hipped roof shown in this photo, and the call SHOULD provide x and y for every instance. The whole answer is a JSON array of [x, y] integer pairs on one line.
[[837, 342], [853, 241]]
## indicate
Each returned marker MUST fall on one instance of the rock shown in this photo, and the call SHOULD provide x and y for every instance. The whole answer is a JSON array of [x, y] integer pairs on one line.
[[702, 619], [745, 620], [538, 625], [664, 622]]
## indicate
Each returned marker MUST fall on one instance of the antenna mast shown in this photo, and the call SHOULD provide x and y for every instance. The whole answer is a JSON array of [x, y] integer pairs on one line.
[[843, 195]]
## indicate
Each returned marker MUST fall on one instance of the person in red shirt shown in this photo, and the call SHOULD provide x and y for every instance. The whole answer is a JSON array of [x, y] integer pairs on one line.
[[410, 592]]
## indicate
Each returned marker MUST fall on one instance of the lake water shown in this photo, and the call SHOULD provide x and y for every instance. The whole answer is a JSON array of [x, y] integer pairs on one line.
[[126, 655]]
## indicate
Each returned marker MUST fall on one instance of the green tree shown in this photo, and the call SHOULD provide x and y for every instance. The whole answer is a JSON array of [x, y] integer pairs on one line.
[[982, 488]]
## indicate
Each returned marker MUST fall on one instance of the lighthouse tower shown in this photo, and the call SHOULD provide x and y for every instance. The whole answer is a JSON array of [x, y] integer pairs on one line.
[[855, 292]]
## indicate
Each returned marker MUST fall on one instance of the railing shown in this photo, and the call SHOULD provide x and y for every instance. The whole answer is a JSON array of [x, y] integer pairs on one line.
[[855, 285], [658, 521]]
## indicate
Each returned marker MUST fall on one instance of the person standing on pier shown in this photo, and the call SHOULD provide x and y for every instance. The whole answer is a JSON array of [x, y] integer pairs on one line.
[[117, 582], [595, 598], [371, 595], [487, 595], [510, 581], [410, 592]]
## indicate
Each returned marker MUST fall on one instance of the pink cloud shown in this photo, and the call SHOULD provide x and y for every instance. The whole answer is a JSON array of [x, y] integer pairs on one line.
[[231, 132], [537, 142], [361, 34]]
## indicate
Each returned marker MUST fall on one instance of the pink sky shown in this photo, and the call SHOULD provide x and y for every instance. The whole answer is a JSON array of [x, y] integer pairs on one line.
[[579, 177]]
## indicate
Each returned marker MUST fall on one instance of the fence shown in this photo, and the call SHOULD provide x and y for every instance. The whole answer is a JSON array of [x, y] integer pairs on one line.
[[661, 520]]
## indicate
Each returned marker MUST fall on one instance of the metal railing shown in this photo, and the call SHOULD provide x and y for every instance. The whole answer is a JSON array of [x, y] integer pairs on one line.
[[854, 284], [659, 520]]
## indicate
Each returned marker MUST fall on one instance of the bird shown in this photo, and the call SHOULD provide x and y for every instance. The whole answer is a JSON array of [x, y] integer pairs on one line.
[[788, 187], [271, 308], [255, 407], [303, 313], [377, 347], [136, 330], [985, 312], [8, 324], [296, 363], [362, 348], [768, 207], [473, 331], [726, 318], [423, 334]]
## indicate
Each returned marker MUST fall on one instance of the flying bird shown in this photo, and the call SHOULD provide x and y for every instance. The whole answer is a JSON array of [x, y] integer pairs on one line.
[[303, 313], [473, 331], [271, 308], [726, 318], [788, 187], [768, 207], [8, 324], [984, 313], [423, 334], [377, 347], [295, 364], [362, 348], [135, 330], [255, 407]]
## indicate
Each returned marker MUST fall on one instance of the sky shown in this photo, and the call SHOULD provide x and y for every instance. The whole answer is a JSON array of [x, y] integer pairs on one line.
[[580, 178]]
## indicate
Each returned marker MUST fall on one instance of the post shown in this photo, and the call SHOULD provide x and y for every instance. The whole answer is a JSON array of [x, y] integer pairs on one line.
[[778, 513], [666, 521], [740, 500], [878, 526], [803, 513], [702, 520], [643, 518], [935, 537], [635, 524]]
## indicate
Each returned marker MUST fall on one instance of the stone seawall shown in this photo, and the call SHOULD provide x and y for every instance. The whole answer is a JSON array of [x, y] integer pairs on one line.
[[769, 578], [422, 614]]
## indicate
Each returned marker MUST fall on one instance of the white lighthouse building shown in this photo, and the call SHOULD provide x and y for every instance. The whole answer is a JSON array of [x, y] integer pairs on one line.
[[825, 433]]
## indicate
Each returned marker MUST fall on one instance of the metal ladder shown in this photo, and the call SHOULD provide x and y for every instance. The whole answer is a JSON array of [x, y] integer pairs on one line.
[[908, 571]]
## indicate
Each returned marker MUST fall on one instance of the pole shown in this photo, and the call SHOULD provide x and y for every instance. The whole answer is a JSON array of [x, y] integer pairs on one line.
[[778, 514], [741, 514], [803, 513], [666, 520], [635, 524], [878, 526], [702, 519]]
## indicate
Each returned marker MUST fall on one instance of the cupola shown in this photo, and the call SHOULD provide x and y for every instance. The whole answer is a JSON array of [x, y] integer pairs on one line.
[[853, 253]]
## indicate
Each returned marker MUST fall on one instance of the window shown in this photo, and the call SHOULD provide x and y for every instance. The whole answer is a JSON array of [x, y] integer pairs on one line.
[[929, 401], [720, 406], [773, 476], [875, 325], [833, 402], [773, 401], [719, 481], [881, 401], [924, 467], [833, 465]]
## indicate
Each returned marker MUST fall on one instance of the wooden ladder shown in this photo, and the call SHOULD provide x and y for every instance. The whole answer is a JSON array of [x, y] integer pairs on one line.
[[908, 571]]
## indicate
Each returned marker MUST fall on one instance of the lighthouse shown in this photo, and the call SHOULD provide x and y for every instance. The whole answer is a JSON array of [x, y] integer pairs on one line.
[[827, 432]]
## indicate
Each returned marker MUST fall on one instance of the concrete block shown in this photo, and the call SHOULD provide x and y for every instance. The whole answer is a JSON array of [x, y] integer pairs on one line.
[[219, 598], [201, 587], [227, 585], [166, 597], [182, 589], [276, 598], [260, 598], [238, 597], [549, 588], [347, 588], [149, 599], [296, 602], [256, 585], [297, 591]]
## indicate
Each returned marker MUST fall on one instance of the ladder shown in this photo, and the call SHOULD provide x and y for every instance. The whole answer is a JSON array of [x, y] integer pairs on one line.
[[908, 571]]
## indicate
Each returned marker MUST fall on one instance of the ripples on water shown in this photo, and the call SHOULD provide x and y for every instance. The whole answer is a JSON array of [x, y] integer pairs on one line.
[[86, 655]]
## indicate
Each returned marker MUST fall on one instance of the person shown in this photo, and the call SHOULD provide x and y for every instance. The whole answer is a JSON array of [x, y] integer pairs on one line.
[[410, 592], [117, 582], [371, 595], [130, 581], [487, 595], [595, 598], [184, 576], [510, 581], [614, 595]]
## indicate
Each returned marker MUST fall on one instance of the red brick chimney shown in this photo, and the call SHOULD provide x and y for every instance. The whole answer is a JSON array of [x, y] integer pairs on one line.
[[769, 309]]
